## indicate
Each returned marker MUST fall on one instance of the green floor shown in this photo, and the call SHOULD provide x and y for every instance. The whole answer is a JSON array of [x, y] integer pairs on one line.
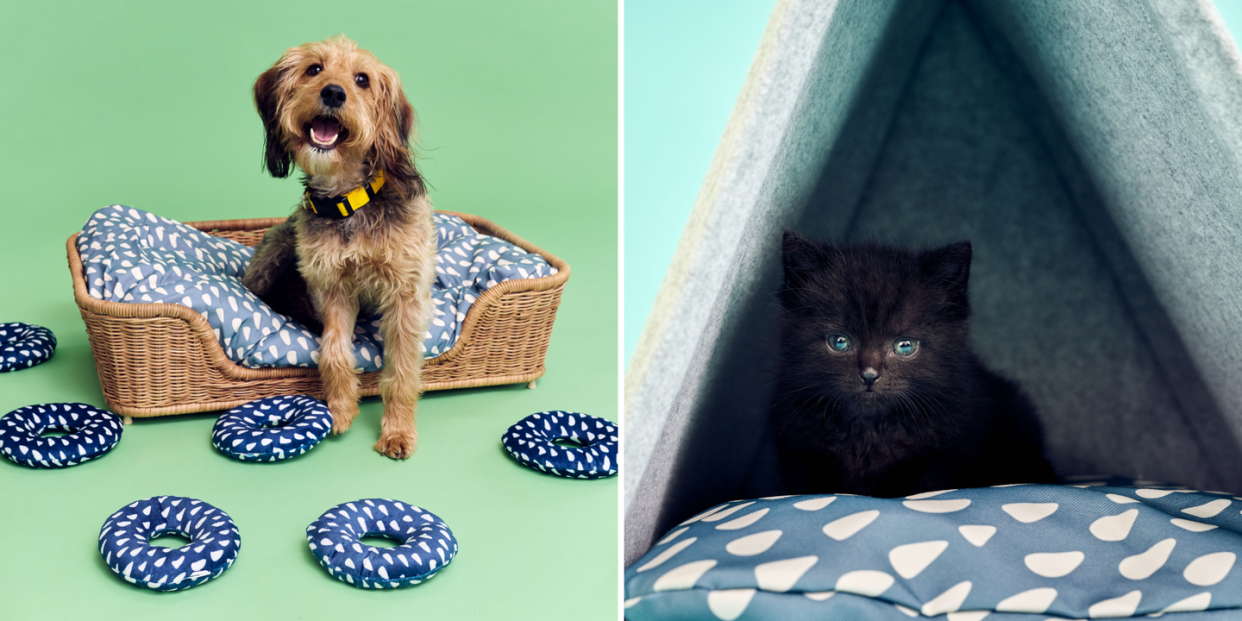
[[149, 105]]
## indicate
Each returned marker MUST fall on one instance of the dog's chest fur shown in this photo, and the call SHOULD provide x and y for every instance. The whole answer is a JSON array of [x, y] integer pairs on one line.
[[386, 245]]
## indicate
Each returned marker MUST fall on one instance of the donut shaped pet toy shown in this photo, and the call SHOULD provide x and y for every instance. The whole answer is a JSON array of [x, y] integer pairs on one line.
[[531, 443], [91, 433], [429, 545], [23, 345], [214, 542], [272, 429]]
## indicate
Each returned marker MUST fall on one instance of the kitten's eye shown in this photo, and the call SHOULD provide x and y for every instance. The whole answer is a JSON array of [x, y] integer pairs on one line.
[[314, 69], [905, 347], [839, 342]]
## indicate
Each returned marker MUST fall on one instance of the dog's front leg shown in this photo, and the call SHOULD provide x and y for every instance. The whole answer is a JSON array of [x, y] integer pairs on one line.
[[339, 310], [403, 325]]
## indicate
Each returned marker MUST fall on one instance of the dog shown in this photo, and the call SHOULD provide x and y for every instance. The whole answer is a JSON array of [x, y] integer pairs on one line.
[[362, 238]]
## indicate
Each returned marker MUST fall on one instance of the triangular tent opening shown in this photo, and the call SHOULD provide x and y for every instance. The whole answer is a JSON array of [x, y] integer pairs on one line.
[[1021, 129]]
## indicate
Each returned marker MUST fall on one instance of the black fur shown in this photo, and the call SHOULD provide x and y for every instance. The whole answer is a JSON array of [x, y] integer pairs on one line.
[[273, 275], [935, 420]]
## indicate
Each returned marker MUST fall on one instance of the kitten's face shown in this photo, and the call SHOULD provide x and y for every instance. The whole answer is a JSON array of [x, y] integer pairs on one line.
[[869, 327]]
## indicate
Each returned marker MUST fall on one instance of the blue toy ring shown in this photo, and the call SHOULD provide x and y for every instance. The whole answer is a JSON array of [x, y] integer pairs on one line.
[[531, 443], [272, 429], [23, 345], [92, 433], [214, 543], [429, 545]]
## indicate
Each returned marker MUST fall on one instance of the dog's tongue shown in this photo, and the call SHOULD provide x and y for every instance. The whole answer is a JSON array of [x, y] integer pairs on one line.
[[324, 131]]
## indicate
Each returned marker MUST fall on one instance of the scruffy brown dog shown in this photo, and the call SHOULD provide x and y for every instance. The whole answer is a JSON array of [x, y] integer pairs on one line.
[[362, 237]]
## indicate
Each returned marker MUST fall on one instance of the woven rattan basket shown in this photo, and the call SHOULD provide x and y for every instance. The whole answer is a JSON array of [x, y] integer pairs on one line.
[[161, 359]]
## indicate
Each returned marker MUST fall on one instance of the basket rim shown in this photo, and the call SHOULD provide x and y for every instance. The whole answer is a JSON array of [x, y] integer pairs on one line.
[[200, 327]]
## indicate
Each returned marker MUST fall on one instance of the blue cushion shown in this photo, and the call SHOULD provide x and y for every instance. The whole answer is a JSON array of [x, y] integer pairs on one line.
[[132, 256], [530, 442], [428, 544], [1065, 551], [214, 542], [24, 345], [272, 429], [92, 432]]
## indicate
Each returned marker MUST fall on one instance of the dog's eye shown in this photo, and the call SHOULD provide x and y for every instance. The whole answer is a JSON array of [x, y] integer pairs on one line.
[[362, 81], [314, 69]]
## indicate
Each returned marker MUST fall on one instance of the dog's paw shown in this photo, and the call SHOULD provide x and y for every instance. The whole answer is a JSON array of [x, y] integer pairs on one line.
[[397, 445], [342, 416]]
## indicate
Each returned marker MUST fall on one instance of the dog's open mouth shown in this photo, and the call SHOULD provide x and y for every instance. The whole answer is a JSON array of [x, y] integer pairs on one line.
[[325, 133]]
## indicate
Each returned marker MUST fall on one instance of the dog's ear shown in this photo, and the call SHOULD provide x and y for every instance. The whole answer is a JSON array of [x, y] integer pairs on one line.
[[276, 159], [392, 141], [403, 113]]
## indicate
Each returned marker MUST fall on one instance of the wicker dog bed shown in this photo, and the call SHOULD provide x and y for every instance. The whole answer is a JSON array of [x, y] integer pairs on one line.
[[161, 359]]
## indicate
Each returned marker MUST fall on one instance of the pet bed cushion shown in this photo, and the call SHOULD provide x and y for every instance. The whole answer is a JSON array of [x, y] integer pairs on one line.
[[428, 544], [530, 442], [23, 345], [133, 256], [272, 429], [92, 432], [1013, 552], [214, 542]]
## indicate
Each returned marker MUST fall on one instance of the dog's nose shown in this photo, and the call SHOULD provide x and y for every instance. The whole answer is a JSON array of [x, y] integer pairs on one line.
[[333, 96]]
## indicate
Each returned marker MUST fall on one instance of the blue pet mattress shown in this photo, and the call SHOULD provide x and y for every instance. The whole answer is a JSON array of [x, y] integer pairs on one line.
[[132, 256], [1025, 552]]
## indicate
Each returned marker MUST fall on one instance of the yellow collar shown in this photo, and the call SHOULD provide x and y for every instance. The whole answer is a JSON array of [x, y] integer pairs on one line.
[[342, 207]]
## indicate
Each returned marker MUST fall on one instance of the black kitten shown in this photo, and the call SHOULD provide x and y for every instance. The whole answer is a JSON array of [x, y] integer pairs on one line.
[[879, 393]]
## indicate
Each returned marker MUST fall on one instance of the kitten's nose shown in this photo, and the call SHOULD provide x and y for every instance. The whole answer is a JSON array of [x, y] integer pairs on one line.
[[869, 376]]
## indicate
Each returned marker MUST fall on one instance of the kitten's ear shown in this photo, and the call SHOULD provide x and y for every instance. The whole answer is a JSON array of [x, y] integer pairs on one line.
[[949, 267], [802, 258]]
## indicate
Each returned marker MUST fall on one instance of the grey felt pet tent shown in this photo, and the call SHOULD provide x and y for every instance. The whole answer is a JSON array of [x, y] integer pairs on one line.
[[1091, 150]]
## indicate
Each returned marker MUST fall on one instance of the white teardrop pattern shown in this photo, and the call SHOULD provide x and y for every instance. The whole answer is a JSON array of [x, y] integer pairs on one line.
[[1094, 528]]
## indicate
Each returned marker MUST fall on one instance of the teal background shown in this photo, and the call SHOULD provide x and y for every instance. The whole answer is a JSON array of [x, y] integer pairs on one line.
[[148, 104], [685, 63], [1231, 11]]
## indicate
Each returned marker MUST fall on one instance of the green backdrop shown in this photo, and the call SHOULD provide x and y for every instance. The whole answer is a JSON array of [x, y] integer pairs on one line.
[[148, 104]]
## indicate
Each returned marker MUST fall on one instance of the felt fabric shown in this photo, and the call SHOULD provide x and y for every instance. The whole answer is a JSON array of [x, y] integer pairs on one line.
[[530, 442], [214, 543], [133, 256], [24, 345], [1089, 150], [272, 428], [92, 432], [428, 544], [1111, 548]]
